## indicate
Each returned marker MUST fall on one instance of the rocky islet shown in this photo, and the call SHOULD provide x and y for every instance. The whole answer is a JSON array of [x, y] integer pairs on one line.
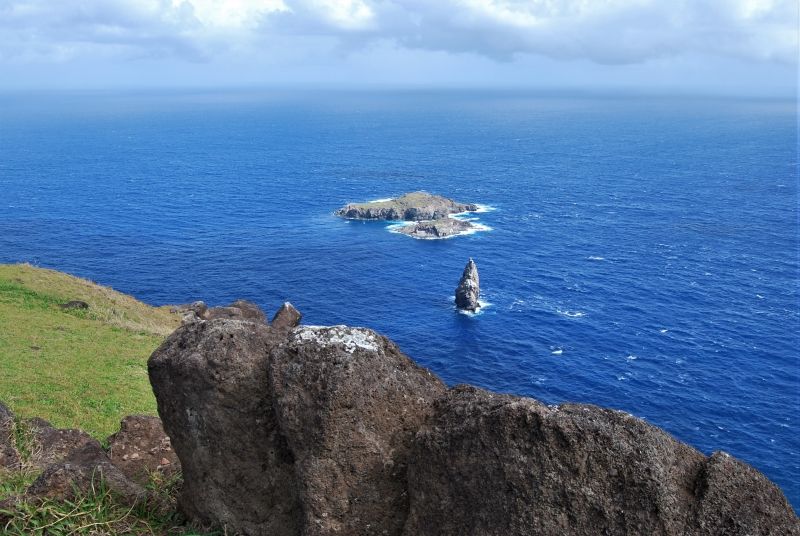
[[429, 216]]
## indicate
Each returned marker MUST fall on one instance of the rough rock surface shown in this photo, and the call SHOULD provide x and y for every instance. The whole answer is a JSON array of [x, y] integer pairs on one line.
[[240, 309], [286, 318], [332, 430], [85, 467], [191, 312], [469, 288], [9, 457], [414, 206], [211, 385], [493, 464], [736, 499], [432, 229], [54, 445], [349, 403], [141, 447]]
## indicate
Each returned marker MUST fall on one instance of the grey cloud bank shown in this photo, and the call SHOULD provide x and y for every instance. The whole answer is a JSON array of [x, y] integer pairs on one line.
[[105, 43]]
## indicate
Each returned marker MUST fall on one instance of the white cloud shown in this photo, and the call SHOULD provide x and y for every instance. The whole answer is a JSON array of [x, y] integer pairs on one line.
[[314, 34], [230, 14], [605, 31]]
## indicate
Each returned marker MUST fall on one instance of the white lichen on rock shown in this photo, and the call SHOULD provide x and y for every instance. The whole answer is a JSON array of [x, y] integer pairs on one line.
[[345, 336]]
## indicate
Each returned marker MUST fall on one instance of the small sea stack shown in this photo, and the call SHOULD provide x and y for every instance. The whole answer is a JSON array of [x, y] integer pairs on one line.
[[469, 288]]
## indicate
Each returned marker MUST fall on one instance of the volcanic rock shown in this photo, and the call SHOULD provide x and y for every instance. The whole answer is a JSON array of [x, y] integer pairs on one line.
[[736, 499], [469, 288], [286, 318], [141, 447], [211, 385], [491, 464], [414, 206], [240, 309], [86, 468], [9, 457], [349, 403], [191, 312], [332, 430], [54, 445], [432, 229]]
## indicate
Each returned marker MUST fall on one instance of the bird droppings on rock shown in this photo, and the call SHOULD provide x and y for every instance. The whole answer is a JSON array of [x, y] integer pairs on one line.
[[347, 337]]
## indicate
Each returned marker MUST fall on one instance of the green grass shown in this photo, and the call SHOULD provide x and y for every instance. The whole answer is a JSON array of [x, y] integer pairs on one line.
[[80, 368], [98, 512], [15, 482]]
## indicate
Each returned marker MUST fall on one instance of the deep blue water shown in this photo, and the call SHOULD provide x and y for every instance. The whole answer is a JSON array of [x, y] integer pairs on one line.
[[653, 241]]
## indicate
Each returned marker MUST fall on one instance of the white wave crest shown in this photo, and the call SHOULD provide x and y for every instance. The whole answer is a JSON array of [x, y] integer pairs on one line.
[[483, 306], [484, 208]]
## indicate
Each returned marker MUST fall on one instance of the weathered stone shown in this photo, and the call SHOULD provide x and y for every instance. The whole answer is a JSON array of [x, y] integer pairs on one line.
[[434, 229], [469, 289], [191, 312], [286, 318], [190, 317], [85, 469], [491, 464], [198, 307], [210, 381], [414, 206], [54, 445], [736, 499], [240, 310], [349, 403], [9, 457], [141, 447], [250, 311], [332, 430]]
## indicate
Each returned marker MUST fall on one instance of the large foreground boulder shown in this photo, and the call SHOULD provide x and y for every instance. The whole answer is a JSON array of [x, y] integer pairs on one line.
[[501, 465], [210, 381], [349, 403], [320, 431]]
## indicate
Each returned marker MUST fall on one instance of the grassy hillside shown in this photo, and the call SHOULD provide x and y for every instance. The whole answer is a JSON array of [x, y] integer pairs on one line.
[[78, 368]]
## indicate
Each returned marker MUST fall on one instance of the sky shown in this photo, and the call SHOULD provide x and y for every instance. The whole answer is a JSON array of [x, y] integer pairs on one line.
[[743, 47]]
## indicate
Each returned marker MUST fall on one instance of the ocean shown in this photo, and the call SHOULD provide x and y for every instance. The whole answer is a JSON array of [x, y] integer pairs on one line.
[[641, 251]]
